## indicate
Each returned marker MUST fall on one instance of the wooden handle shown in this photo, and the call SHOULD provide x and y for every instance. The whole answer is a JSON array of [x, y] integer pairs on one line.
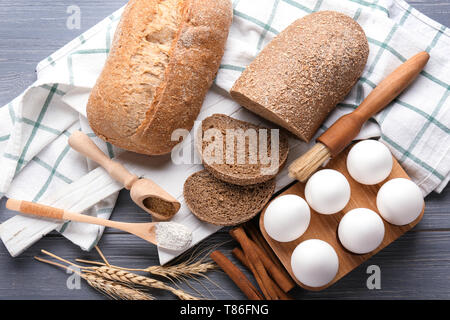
[[35, 209], [346, 128], [44, 211], [80, 142]]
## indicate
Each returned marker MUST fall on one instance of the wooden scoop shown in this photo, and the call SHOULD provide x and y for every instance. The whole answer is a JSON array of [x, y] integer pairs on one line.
[[169, 235], [144, 192]]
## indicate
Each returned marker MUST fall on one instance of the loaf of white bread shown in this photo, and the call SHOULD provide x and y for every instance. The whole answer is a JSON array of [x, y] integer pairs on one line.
[[164, 57]]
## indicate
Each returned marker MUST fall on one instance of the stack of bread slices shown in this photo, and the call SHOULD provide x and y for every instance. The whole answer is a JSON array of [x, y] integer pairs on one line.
[[233, 190]]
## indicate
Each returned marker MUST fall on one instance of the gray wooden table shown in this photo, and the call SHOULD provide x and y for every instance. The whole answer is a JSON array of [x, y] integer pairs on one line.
[[417, 266]]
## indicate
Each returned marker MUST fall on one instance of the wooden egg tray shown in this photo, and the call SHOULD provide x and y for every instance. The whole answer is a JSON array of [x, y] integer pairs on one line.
[[324, 227]]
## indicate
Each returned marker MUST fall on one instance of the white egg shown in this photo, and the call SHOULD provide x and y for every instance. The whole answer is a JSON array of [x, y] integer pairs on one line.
[[287, 218], [400, 201], [314, 263], [361, 230], [327, 191], [369, 162]]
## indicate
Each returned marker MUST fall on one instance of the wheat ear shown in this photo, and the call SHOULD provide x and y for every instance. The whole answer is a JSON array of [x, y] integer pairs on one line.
[[182, 270], [114, 274], [114, 290], [176, 272], [108, 288]]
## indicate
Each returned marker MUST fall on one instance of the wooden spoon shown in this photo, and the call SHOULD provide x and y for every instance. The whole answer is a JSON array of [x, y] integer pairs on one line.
[[144, 192], [169, 235]]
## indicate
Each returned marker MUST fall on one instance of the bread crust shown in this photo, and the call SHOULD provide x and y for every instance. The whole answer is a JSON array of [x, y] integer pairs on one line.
[[304, 72], [122, 111]]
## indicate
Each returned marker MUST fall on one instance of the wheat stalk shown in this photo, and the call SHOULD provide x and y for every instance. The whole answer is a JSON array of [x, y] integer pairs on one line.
[[107, 287], [181, 270], [175, 272], [114, 290], [178, 272], [115, 274]]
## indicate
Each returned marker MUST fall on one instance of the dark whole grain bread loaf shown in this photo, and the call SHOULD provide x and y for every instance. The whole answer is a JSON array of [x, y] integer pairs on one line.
[[164, 57], [304, 72], [258, 162], [214, 201]]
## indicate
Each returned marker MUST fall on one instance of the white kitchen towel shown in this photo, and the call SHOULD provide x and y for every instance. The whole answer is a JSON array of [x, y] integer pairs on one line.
[[36, 159]]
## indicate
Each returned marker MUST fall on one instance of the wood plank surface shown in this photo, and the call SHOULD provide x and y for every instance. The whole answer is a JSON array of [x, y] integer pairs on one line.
[[416, 266]]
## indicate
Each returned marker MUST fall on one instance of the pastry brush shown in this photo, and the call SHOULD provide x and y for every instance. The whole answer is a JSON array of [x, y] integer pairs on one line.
[[346, 128]]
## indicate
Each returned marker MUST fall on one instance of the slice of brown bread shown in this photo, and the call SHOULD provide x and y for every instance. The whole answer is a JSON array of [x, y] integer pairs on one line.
[[224, 204], [249, 170]]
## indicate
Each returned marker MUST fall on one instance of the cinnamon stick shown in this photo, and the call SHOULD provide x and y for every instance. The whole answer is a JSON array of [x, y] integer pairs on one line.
[[258, 238], [262, 284], [256, 265], [285, 283], [238, 254], [242, 259], [236, 276], [270, 261]]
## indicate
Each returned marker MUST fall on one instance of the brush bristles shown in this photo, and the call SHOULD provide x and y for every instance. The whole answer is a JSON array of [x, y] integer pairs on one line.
[[302, 168]]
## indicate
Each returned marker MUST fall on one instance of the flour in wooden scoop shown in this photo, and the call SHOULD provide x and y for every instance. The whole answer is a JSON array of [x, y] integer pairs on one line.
[[173, 236]]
